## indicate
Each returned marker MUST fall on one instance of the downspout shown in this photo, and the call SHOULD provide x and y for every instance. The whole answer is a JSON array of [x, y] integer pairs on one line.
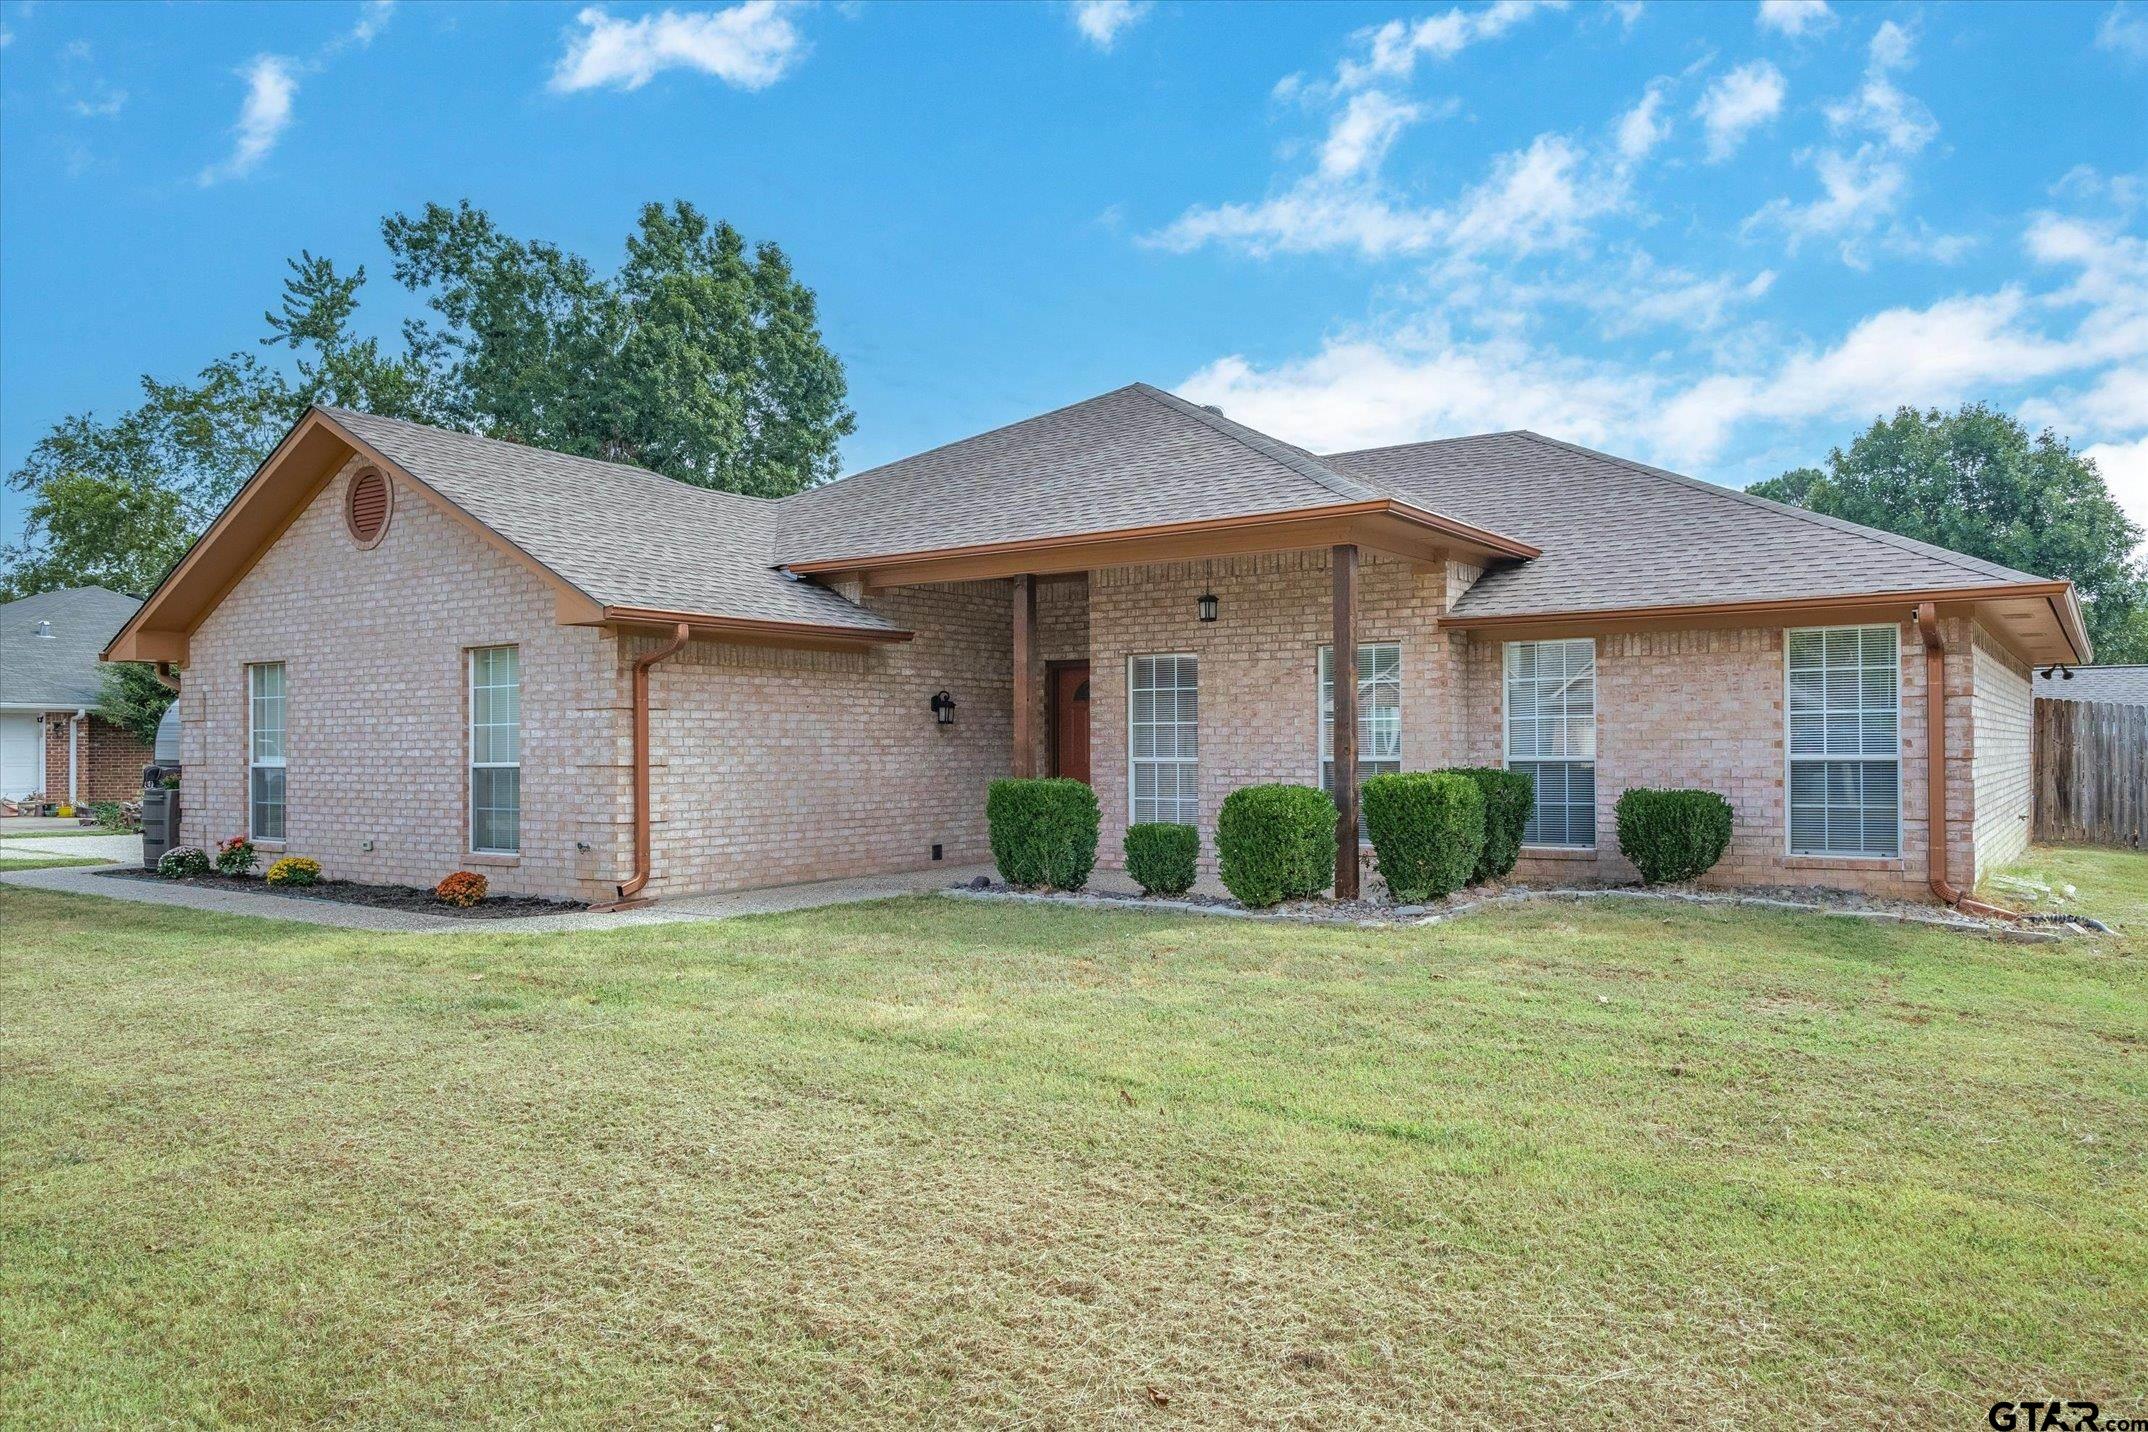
[[164, 673], [1935, 770], [633, 884], [74, 742]]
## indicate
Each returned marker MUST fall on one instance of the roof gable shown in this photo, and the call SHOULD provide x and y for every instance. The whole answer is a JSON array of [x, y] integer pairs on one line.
[[1136, 457]]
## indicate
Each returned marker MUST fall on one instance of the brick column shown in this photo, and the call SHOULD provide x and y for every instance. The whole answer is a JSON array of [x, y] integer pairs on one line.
[[1345, 673]]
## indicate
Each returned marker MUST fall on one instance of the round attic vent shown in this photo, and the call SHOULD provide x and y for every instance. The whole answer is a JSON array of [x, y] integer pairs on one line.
[[366, 505]]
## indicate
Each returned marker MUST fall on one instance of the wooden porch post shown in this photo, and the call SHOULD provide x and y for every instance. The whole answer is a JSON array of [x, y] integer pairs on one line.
[[1344, 670], [1025, 689]]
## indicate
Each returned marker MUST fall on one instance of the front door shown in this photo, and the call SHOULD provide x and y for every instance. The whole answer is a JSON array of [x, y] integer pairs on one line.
[[1070, 720]]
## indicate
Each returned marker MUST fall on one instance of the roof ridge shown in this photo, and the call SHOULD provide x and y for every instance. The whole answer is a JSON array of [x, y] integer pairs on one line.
[[1967, 563], [1297, 459], [1428, 442], [831, 485]]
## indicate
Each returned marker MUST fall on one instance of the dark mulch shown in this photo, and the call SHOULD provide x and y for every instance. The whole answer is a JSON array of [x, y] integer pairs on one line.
[[386, 897]]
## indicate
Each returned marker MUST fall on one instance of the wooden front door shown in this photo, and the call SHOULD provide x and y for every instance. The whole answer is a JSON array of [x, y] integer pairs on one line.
[[1069, 689]]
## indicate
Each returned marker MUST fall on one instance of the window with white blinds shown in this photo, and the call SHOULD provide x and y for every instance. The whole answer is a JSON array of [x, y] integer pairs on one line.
[[1379, 713], [1163, 707], [264, 750], [496, 750], [1844, 706], [1551, 734]]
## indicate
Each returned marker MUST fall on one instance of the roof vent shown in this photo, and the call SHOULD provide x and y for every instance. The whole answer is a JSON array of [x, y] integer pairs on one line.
[[44, 629], [366, 505], [1211, 408]]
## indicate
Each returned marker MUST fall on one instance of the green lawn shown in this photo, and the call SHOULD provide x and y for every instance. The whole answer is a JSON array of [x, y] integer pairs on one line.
[[34, 860], [931, 1161]]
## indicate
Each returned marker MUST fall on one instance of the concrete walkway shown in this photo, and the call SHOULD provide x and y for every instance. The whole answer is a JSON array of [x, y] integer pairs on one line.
[[84, 880], [120, 849]]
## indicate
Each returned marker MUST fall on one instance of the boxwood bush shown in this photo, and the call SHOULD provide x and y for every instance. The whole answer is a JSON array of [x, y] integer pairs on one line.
[[1509, 796], [1161, 857], [1427, 830], [1276, 843], [1673, 835], [1043, 832]]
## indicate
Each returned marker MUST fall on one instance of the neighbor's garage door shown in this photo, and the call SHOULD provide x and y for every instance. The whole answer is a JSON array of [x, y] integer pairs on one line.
[[22, 764]]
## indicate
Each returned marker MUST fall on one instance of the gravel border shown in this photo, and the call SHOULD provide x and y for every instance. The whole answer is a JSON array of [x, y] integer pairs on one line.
[[1409, 917]]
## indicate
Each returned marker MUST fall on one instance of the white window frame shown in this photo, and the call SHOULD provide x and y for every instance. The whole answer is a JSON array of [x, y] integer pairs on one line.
[[471, 765], [1506, 729], [1791, 760], [255, 761], [1324, 714], [1133, 761]]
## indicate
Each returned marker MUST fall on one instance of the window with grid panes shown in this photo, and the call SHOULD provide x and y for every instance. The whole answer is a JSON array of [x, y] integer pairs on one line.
[[264, 748], [1551, 734], [1163, 738], [1379, 714], [495, 750], [1844, 712]]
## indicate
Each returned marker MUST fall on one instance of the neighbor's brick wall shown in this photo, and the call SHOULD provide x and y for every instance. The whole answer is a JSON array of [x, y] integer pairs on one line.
[[373, 645], [2002, 733], [774, 766], [108, 759]]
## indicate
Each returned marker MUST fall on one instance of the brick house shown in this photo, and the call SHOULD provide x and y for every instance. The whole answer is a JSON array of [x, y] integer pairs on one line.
[[407, 651], [52, 741]]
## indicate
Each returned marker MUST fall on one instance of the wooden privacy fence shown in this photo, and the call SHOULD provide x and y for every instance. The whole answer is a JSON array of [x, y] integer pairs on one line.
[[2092, 772]]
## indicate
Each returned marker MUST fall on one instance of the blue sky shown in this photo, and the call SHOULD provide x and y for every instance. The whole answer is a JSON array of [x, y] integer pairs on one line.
[[1716, 237]]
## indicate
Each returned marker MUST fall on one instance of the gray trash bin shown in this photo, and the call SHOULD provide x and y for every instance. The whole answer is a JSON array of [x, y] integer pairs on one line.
[[160, 824]]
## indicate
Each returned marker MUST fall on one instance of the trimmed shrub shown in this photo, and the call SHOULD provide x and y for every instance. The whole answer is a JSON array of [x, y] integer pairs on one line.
[[294, 870], [1673, 835], [1043, 832], [462, 889], [182, 862], [236, 857], [1162, 857], [1427, 830], [1509, 796], [1276, 843]]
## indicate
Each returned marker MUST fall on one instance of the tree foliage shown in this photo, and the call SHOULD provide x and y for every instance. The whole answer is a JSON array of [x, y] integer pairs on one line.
[[1974, 481], [697, 359], [133, 699]]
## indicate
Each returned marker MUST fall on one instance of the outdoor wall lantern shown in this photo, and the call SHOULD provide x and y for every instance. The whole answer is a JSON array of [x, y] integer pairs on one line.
[[1207, 606], [2065, 672], [943, 708]]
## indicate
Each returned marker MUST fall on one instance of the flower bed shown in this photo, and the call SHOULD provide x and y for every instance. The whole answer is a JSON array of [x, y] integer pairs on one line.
[[384, 897]]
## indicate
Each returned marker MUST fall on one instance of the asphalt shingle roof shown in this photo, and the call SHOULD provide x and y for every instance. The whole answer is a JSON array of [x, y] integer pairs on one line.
[[624, 536], [60, 671], [1133, 457], [1616, 533], [2127, 685]]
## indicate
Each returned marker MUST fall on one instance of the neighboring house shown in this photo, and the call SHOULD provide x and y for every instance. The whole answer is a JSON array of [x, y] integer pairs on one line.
[[52, 741], [409, 650], [2126, 685]]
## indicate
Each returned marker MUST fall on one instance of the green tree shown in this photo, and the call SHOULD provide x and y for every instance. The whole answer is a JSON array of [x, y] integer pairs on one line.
[[697, 359], [1974, 481], [133, 699]]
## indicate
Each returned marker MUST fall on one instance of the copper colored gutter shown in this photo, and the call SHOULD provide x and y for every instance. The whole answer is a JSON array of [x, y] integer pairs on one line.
[[164, 674], [1935, 770], [642, 857]]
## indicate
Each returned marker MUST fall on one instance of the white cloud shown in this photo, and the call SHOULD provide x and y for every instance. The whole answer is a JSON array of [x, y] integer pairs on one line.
[[1795, 18], [1425, 379], [1308, 218], [1865, 185], [1734, 105], [1362, 133], [1537, 198], [1643, 127], [105, 104], [373, 17], [2124, 30], [1628, 13], [2125, 471], [271, 85], [748, 46], [1101, 21], [1391, 51]]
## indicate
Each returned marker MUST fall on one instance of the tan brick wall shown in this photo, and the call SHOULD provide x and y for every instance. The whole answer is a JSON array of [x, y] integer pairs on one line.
[[373, 645], [2002, 734], [775, 766], [1691, 708]]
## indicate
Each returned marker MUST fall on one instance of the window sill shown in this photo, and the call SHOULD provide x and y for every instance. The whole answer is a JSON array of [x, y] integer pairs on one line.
[[273, 846], [1558, 852], [473, 857], [1843, 862]]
